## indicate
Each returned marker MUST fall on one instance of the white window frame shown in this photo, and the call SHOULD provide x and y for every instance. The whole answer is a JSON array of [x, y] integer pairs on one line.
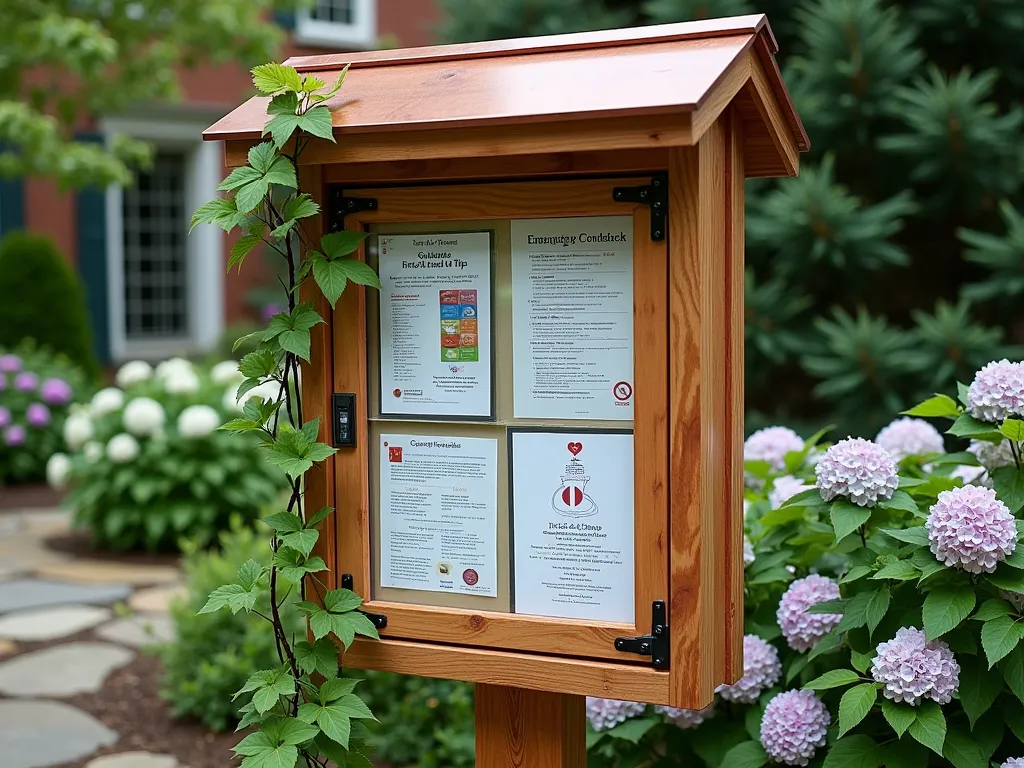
[[361, 34], [204, 246]]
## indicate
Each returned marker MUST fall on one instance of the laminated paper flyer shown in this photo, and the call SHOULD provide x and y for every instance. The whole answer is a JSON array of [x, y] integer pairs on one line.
[[439, 514], [435, 324], [572, 317], [572, 518]]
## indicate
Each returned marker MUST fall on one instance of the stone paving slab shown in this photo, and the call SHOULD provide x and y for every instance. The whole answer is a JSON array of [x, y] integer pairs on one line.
[[20, 594], [22, 553], [37, 734], [41, 624], [134, 760], [156, 599], [103, 572], [139, 630], [63, 670]]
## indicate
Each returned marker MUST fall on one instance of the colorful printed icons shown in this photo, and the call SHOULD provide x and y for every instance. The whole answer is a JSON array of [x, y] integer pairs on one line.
[[470, 576], [460, 340]]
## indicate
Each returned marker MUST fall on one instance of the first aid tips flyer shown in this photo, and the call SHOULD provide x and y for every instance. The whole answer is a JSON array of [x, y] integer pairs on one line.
[[435, 324]]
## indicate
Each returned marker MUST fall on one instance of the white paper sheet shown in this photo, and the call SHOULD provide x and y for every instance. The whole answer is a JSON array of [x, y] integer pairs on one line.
[[572, 317], [435, 324], [439, 514], [572, 521]]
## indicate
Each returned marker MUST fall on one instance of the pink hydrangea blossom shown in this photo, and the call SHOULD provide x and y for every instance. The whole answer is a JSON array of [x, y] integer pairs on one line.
[[26, 381], [858, 470], [793, 726], [14, 435], [970, 529], [997, 391], [685, 718], [803, 630], [912, 669], [607, 713], [37, 415], [784, 488], [771, 444], [992, 455], [1013, 762], [910, 437], [10, 363], [55, 392], [761, 670]]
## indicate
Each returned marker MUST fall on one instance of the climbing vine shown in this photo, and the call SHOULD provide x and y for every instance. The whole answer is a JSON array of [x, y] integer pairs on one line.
[[304, 711]]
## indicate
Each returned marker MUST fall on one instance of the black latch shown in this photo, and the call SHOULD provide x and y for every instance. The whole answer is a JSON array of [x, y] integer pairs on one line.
[[340, 206], [655, 195], [379, 620], [343, 417], [655, 644]]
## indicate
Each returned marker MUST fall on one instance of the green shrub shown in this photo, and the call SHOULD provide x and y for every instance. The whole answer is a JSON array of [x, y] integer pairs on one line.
[[43, 300], [36, 390], [149, 464], [213, 654]]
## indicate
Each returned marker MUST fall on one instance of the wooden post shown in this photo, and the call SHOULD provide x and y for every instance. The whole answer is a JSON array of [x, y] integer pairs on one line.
[[519, 728]]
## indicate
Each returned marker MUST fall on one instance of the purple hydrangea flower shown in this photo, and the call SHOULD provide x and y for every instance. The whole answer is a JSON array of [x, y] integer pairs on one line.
[[858, 470], [761, 670], [997, 391], [910, 437], [784, 488], [14, 435], [749, 556], [607, 713], [55, 392], [992, 455], [771, 444], [5, 416], [267, 311], [10, 363], [912, 669], [37, 415], [685, 718], [26, 381], [803, 630], [793, 727], [970, 529], [1013, 762]]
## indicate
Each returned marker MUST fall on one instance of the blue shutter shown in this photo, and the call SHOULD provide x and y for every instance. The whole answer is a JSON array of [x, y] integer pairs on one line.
[[285, 19], [92, 259], [12, 205]]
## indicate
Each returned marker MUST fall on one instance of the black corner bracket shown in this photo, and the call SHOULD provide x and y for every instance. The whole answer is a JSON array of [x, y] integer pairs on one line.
[[656, 644], [379, 620], [339, 206], [655, 195]]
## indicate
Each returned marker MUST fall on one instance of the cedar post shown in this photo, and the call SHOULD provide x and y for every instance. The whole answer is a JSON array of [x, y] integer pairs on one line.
[[519, 728]]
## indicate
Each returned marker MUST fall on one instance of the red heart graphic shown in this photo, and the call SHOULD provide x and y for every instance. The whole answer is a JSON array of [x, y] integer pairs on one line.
[[575, 448]]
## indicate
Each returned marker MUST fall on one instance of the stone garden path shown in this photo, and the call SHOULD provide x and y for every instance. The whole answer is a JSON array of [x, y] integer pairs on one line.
[[47, 597]]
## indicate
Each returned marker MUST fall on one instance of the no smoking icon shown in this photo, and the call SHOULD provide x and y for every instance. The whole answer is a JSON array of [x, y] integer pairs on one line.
[[623, 391]]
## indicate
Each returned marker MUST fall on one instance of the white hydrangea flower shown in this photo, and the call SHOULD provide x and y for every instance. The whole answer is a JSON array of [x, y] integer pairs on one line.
[[107, 400], [133, 372], [172, 366], [226, 372], [143, 416], [58, 468], [268, 391], [93, 451], [78, 430], [122, 448], [992, 455], [181, 382], [198, 421]]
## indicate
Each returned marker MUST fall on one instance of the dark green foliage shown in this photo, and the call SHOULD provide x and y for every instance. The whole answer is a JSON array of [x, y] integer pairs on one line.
[[42, 299], [884, 272]]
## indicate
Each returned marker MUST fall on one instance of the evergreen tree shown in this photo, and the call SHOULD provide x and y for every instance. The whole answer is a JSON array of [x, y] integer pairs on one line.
[[892, 266]]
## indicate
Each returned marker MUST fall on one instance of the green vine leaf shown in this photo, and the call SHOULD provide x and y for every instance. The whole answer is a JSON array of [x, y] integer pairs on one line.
[[292, 330], [847, 518], [242, 248], [901, 570], [337, 244], [294, 565], [993, 608], [321, 656], [969, 427], [319, 516], [855, 705], [258, 364], [876, 608], [979, 687], [939, 405], [834, 678], [335, 718], [1013, 429], [999, 636], [302, 541], [251, 183], [1009, 484], [271, 79], [333, 275], [223, 212], [284, 522], [929, 727], [233, 596], [287, 117], [944, 609], [858, 751], [899, 716], [917, 536], [342, 600]]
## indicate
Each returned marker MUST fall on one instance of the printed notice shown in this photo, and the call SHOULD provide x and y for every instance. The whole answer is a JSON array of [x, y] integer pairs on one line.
[[572, 317], [435, 324], [439, 514], [572, 502]]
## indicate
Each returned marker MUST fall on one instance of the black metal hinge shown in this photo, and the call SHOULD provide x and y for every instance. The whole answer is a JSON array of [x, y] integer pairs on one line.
[[655, 644], [379, 620], [339, 206], [655, 195]]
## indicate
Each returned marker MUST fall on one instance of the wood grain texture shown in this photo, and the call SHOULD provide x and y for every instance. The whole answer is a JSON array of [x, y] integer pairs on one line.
[[650, 419], [733, 432], [733, 79], [770, 111], [521, 670], [512, 167], [316, 394], [520, 728]]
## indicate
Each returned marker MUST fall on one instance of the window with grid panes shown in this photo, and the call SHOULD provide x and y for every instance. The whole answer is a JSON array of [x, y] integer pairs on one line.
[[334, 11], [155, 254]]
